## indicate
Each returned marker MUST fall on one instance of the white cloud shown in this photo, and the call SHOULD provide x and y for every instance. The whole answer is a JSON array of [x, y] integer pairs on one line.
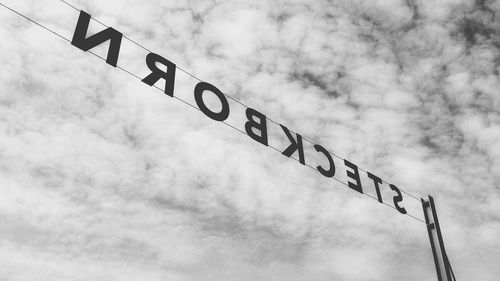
[[105, 178]]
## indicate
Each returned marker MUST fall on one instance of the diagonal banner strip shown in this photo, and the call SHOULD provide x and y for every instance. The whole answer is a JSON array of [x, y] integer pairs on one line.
[[353, 178]]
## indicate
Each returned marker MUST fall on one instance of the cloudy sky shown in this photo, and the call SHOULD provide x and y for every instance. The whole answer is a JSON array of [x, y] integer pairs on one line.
[[105, 178]]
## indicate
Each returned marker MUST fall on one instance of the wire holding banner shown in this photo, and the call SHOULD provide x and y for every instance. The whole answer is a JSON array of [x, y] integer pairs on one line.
[[234, 99], [179, 99]]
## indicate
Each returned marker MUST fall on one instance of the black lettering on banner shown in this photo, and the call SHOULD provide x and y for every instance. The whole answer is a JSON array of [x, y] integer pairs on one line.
[[294, 145], [256, 124], [331, 170], [198, 95], [376, 182], [398, 198], [156, 74], [261, 126], [353, 175], [81, 41]]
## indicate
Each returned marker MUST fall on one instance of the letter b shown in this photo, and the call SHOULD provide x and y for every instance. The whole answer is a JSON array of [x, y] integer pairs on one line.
[[261, 125]]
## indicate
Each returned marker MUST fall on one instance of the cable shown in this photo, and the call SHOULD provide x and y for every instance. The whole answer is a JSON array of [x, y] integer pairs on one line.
[[185, 102], [42, 26], [234, 99], [181, 100]]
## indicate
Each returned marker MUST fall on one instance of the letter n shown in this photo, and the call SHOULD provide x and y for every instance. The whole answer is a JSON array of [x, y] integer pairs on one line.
[[81, 41]]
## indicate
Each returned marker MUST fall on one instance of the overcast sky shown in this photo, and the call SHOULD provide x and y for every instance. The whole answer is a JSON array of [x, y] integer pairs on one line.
[[105, 178]]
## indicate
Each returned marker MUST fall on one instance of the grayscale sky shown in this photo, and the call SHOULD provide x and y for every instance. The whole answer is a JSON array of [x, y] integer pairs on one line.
[[105, 178]]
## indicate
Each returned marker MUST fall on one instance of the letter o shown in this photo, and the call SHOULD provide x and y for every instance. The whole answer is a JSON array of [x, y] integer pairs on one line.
[[198, 96]]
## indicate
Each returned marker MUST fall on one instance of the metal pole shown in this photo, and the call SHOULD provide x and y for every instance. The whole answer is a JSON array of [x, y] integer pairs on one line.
[[441, 261]]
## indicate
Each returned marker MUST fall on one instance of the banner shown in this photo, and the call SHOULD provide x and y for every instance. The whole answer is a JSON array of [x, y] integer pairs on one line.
[[156, 70]]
